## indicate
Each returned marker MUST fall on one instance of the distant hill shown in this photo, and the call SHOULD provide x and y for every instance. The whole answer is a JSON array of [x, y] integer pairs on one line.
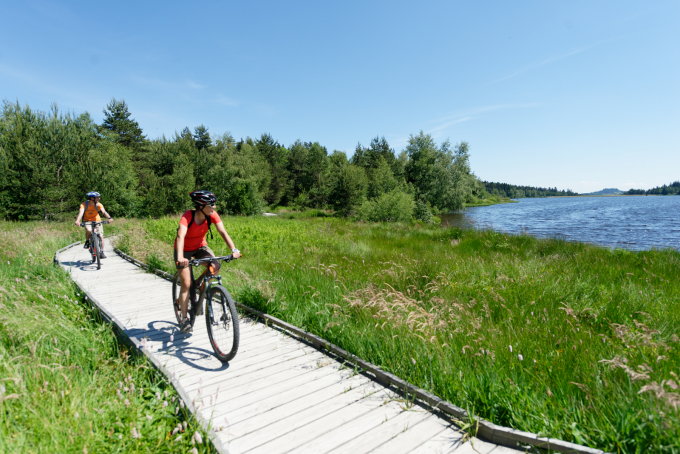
[[607, 191]]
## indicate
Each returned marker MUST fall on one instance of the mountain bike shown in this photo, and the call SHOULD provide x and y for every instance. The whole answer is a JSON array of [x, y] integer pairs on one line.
[[221, 317], [96, 242]]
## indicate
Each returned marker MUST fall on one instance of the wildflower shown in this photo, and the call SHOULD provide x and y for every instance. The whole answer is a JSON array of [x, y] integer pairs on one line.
[[176, 410], [126, 402], [534, 361], [511, 349], [198, 438], [521, 358], [85, 449], [158, 395], [414, 361], [181, 404], [149, 417], [77, 415], [179, 437], [174, 431], [165, 403], [185, 425], [194, 451], [135, 434], [120, 437], [165, 393], [141, 391]]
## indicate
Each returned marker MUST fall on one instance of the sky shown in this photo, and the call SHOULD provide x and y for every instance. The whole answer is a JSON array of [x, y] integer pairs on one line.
[[579, 95]]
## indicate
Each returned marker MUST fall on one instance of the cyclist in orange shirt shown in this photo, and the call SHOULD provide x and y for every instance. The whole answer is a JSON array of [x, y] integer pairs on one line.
[[191, 244], [89, 212]]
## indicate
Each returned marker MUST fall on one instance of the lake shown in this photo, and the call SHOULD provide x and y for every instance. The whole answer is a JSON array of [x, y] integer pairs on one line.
[[634, 222]]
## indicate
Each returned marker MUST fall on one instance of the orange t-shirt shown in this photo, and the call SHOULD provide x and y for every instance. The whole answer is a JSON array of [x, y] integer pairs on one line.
[[92, 211], [195, 237]]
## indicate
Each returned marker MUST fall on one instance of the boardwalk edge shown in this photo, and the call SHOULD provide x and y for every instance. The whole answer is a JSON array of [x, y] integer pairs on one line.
[[486, 430]]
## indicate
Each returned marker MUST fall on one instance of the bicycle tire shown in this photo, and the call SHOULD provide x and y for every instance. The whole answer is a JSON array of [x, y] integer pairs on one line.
[[224, 333], [176, 287], [97, 250]]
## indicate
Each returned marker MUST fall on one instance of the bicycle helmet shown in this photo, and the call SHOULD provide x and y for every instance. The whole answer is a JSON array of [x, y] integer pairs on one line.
[[203, 198], [93, 194]]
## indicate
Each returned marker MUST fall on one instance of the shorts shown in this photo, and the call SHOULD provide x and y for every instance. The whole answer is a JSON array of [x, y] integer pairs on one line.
[[200, 253], [99, 229]]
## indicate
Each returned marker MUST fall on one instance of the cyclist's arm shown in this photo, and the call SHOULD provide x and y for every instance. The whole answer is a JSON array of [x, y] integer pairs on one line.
[[227, 239], [106, 214], [80, 216], [181, 233]]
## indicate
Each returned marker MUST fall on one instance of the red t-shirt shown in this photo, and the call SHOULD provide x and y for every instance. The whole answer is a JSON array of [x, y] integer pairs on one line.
[[195, 237]]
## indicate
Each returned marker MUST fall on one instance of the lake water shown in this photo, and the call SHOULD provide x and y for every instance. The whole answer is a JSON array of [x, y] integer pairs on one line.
[[625, 222]]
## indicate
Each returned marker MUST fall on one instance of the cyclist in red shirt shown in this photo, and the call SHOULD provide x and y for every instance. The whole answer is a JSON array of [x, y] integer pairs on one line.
[[190, 243]]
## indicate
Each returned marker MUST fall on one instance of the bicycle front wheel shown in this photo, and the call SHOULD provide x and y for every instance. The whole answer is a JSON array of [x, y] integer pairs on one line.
[[221, 320], [97, 249], [176, 287]]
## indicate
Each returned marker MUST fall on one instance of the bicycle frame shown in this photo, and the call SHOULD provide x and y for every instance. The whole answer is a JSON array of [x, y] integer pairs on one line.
[[207, 279]]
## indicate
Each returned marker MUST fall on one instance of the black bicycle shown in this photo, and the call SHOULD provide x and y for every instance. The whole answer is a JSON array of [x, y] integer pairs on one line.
[[221, 317], [96, 242]]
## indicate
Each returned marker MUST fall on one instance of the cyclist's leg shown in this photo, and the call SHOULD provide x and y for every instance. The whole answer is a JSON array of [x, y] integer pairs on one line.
[[185, 281], [205, 252], [88, 231]]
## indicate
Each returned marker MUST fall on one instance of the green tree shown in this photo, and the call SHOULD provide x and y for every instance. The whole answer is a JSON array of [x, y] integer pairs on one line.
[[380, 179], [440, 175], [276, 156], [349, 191], [202, 138], [41, 153], [117, 121]]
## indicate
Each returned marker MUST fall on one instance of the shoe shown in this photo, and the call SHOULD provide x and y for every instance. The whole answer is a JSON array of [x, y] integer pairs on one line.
[[185, 326], [86, 245], [102, 255]]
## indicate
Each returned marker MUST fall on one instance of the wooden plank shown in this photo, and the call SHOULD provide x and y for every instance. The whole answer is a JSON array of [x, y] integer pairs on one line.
[[280, 407], [382, 432], [411, 439], [308, 425]]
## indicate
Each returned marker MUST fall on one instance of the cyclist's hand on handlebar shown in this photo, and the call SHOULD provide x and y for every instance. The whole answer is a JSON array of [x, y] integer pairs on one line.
[[77, 224], [110, 220], [236, 254], [183, 263]]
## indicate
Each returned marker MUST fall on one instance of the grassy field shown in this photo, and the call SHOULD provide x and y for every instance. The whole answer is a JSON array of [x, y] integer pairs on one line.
[[66, 384], [563, 339]]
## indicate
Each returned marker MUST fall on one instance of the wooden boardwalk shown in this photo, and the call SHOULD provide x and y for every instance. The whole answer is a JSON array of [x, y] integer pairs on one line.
[[279, 394]]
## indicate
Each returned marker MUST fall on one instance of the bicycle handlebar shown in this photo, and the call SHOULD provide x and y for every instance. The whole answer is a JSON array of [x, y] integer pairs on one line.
[[225, 258], [82, 224]]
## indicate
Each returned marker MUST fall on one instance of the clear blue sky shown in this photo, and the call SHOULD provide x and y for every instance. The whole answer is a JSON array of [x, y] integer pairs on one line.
[[580, 94]]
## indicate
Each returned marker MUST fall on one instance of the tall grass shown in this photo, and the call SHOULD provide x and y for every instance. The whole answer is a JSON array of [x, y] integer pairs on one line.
[[66, 384], [563, 339]]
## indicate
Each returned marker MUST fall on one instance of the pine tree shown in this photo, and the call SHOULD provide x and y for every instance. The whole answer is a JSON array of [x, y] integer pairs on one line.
[[202, 137], [117, 120]]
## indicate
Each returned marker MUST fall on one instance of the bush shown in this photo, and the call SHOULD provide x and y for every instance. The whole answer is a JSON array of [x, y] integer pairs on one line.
[[395, 206], [422, 211]]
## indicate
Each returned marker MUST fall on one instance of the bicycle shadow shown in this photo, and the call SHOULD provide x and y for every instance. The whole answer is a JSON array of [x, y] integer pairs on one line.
[[82, 265], [159, 334]]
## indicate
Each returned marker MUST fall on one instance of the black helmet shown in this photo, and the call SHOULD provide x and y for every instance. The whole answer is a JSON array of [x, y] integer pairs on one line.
[[203, 198], [92, 194]]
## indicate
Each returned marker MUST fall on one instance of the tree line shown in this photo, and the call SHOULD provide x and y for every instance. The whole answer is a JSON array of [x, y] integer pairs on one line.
[[49, 160], [521, 192], [670, 189]]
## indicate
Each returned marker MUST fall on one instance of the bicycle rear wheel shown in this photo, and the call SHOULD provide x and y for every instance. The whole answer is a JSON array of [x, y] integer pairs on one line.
[[221, 319], [176, 287]]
